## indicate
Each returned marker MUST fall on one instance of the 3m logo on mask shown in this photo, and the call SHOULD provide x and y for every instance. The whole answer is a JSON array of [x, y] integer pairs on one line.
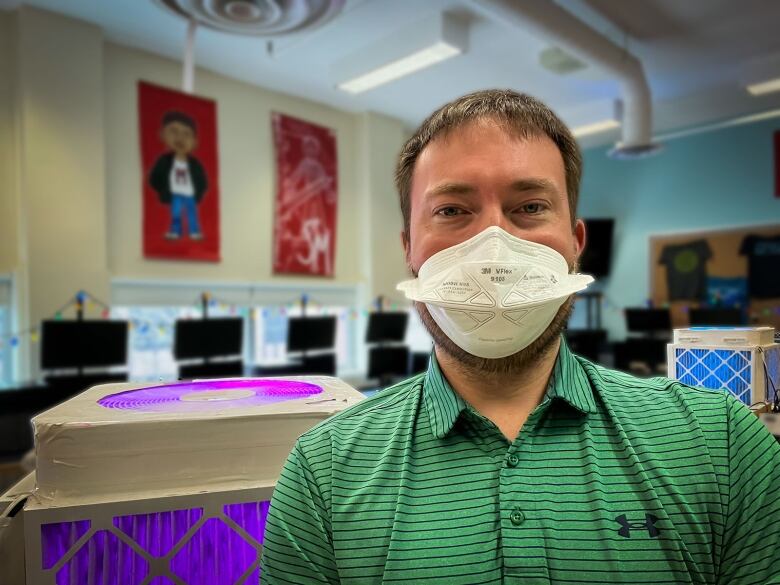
[[649, 524]]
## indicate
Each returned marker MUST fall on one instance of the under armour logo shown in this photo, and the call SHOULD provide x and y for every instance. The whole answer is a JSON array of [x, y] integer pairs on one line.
[[627, 527]]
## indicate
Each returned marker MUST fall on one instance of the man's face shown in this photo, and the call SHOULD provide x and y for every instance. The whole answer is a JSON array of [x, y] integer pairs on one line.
[[481, 175], [179, 137]]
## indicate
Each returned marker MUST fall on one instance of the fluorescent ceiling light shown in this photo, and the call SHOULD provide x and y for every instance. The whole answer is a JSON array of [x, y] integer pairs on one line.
[[764, 87], [404, 66], [424, 43], [595, 128]]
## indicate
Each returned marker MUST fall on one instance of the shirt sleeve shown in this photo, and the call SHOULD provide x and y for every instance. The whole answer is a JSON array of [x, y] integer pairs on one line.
[[752, 536], [297, 543]]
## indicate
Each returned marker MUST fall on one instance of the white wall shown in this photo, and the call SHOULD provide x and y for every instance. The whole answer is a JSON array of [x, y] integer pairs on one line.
[[384, 265], [70, 175], [8, 151], [9, 190], [58, 114], [247, 179]]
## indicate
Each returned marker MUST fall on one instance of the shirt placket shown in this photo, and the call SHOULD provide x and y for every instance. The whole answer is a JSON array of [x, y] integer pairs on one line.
[[522, 542]]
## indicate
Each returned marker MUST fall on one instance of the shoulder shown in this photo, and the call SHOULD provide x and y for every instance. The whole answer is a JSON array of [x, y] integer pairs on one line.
[[164, 160], [661, 408], [624, 389], [676, 432], [194, 162], [369, 419]]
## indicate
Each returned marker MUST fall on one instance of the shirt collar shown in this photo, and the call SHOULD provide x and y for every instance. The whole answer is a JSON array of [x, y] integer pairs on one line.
[[444, 405], [568, 383]]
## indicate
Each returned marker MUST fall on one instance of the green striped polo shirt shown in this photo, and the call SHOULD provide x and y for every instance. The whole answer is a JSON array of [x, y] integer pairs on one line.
[[612, 479]]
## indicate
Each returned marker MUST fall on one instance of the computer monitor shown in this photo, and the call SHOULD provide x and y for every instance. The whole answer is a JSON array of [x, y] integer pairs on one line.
[[387, 327], [643, 320], [420, 360], [319, 364], [310, 333], [206, 338], [597, 255], [587, 342], [715, 317], [72, 344], [388, 362], [640, 350]]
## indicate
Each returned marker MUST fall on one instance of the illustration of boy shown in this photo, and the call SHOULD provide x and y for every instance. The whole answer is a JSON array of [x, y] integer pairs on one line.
[[178, 177]]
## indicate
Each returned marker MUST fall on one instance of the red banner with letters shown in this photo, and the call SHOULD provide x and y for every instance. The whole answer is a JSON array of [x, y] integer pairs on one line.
[[306, 197], [180, 174]]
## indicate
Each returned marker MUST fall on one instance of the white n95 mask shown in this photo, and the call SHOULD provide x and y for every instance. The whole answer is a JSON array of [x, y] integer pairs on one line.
[[494, 294]]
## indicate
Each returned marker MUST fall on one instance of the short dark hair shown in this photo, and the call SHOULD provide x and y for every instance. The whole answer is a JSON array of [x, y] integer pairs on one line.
[[519, 112], [181, 117]]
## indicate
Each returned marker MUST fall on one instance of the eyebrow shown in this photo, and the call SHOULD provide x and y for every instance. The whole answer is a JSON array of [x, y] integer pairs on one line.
[[519, 186]]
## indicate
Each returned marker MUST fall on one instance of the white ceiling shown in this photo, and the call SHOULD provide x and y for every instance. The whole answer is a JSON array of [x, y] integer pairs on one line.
[[697, 55]]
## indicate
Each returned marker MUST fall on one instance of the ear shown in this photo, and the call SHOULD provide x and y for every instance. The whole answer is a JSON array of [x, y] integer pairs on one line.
[[580, 237]]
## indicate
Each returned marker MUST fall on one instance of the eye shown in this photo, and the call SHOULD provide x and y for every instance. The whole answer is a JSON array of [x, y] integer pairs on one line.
[[449, 211], [532, 208]]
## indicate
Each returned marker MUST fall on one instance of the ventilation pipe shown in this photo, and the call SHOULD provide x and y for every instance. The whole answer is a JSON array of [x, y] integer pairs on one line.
[[567, 31]]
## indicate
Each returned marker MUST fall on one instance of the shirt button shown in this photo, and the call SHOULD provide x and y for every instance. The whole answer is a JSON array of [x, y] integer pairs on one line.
[[517, 517], [513, 460]]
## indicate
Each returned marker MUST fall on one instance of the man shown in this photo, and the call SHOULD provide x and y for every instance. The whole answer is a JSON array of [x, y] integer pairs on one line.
[[535, 466]]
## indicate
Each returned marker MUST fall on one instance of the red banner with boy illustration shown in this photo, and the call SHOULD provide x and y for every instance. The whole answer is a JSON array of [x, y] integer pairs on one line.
[[178, 134], [306, 197]]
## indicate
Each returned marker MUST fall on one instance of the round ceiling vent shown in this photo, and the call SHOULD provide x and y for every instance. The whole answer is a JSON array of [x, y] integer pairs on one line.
[[256, 17]]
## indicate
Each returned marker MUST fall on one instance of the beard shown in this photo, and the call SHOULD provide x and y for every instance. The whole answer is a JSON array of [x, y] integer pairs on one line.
[[511, 364]]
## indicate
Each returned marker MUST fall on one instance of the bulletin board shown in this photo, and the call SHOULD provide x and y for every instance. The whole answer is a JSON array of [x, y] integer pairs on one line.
[[724, 263]]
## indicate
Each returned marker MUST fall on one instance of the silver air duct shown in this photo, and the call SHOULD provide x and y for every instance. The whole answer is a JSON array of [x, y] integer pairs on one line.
[[551, 20]]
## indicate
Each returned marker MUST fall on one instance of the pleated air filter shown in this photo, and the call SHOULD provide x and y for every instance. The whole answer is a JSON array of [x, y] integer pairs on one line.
[[187, 545], [743, 361]]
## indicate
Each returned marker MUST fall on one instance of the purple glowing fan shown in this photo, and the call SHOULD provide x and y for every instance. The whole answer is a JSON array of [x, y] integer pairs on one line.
[[209, 395]]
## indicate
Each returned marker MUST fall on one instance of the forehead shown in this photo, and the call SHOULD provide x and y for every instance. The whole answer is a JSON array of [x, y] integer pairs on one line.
[[486, 150]]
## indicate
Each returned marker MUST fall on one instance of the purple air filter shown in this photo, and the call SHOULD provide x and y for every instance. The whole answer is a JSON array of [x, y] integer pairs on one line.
[[142, 548], [210, 395]]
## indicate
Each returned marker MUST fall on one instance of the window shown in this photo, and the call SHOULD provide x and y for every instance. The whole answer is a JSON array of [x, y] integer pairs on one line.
[[417, 337], [153, 305], [150, 348]]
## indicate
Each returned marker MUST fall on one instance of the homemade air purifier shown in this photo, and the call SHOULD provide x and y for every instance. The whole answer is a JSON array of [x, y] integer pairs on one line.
[[743, 360], [139, 485]]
